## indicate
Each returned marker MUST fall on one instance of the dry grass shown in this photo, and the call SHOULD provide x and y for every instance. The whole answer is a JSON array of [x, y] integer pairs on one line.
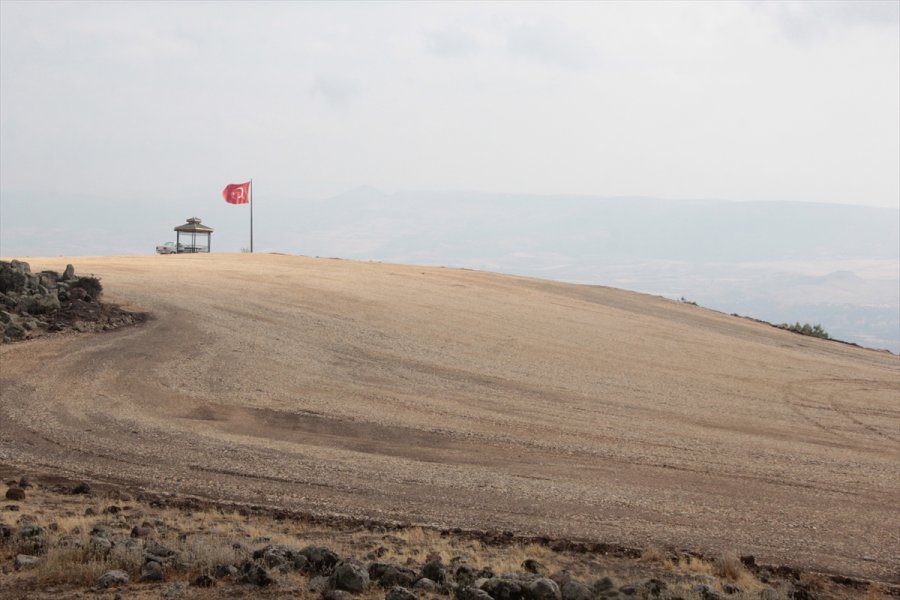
[[205, 538]]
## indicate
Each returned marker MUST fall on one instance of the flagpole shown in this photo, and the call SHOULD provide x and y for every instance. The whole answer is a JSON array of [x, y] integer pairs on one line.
[[251, 215]]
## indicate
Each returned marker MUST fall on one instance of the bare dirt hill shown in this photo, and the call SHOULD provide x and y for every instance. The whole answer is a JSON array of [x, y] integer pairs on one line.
[[466, 399]]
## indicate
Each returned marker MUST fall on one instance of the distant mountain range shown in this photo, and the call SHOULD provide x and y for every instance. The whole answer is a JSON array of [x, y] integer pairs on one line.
[[838, 265]]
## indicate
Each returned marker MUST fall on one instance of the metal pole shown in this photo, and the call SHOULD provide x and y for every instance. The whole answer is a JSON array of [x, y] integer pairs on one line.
[[251, 215]]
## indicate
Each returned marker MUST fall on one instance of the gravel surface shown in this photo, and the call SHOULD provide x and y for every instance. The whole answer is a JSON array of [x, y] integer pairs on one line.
[[458, 398]]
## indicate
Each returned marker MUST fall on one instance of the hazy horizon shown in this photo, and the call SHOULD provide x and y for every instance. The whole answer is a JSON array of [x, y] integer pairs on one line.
[[119, 120]]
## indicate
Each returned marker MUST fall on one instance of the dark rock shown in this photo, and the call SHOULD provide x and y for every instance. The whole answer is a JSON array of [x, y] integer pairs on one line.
[[23, 561], [282, 557], [801, 593], [730, 588], [561, 578], [575, 590], [629, 590], [157, 552], [318, 584], [425, 585], [464, 575], [6, 533], [82, 488], [401, 593], [543, 589], [101, 531], [142, 532], [389, 576], [31, 531], [533, 566], [15, 493], [222, 571], [434, 570], [40, 304], [604, 584], [113, 578], [152, 571], [705, 592], [748, 560], [321, 560], [351, 575], [503, 588], [203, 581], [13, 331], [100, 545], [472, 593], [254, 574]]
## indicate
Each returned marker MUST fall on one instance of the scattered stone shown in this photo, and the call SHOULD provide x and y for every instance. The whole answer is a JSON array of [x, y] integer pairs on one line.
[[113, 578], [23, 561], [222, 571], [705, 592], [321, 560], [768, 593], [318, 584], [544, 589], [82, 488], [472, 593], [255, 574], [157, 552], [533, 566], [464, 575], [15, 493], [401, 593], [425, 585], [730, 588], [100, 545], [351, 575], [389, 576], [504, 588], [152, 571], [282, 557], [574, 590], [434, 570], [142, 532]]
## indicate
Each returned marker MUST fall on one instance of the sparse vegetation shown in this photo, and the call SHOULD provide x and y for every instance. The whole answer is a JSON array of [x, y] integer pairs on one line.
[[807, 329], [81, 537], [91, 285]]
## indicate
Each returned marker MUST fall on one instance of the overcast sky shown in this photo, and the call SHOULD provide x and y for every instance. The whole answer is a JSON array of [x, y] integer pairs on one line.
[[727, 100]]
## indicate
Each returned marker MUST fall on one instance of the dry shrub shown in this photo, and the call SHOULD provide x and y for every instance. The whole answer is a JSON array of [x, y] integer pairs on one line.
[[78, 565], [730, 567], [653, 554], [205, 551], [694, 566]]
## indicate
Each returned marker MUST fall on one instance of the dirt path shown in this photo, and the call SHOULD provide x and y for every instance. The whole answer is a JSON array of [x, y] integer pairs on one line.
[[459, 398]]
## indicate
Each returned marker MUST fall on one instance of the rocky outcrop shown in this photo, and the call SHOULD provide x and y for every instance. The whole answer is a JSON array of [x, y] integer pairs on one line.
[[32, 304]]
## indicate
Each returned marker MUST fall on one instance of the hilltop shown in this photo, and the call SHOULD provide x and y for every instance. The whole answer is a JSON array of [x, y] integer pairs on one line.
[[450, 398]]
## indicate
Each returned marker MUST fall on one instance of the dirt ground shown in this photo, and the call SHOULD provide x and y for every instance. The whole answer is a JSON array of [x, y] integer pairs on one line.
[[455, 398]]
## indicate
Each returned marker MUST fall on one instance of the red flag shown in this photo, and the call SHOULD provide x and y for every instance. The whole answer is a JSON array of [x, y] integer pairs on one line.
[[237, 193]]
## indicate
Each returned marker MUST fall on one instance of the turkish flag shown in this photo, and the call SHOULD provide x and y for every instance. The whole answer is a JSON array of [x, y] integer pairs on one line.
[[237, 193]]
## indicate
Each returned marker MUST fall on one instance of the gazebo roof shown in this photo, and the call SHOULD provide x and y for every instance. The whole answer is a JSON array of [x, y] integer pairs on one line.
[[193, 226]]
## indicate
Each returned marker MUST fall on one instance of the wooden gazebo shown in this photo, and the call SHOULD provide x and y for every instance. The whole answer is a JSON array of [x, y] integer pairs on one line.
[[193, 232]]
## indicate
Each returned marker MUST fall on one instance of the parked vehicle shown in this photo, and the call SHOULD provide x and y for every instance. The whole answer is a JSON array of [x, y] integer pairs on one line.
[[170, 248]]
